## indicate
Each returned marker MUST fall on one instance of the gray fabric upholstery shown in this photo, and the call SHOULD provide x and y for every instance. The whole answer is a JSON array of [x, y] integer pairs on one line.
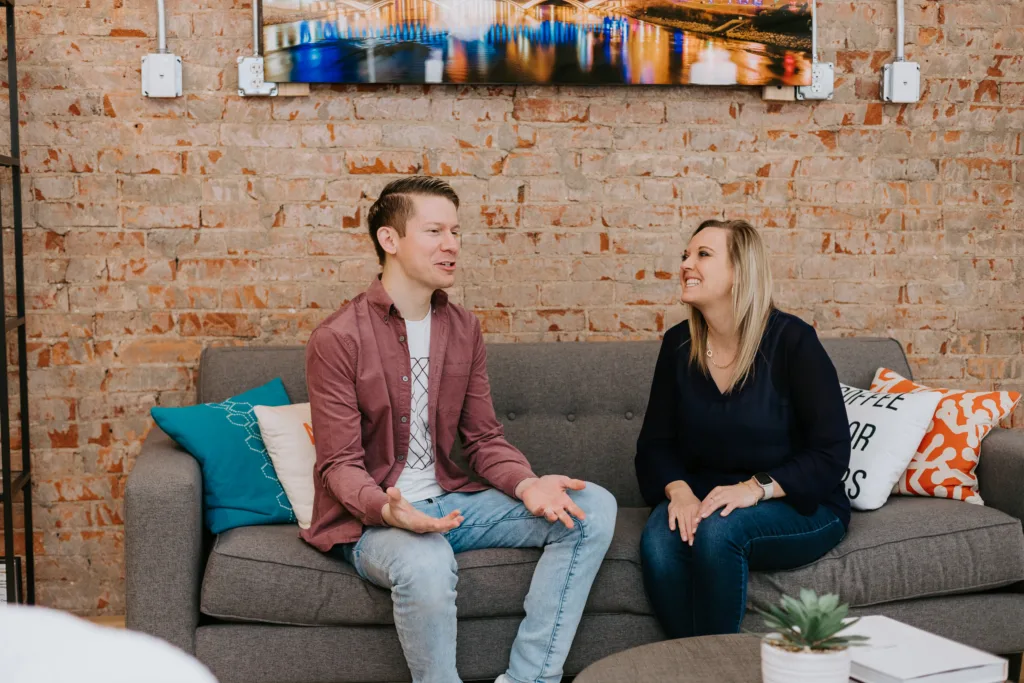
[[573, 407], [244, 653], [857, 358], [1001, 471], [301, 586], [252, 653], [909, 548], [889, 555], [228, 370], [565, 417], [163, 538]]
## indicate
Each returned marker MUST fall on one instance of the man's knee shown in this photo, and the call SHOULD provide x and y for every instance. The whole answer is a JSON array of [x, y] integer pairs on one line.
[[426, 566], [600, 508]]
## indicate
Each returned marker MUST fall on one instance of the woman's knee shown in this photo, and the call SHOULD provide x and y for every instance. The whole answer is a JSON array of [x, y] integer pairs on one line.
[[717, 535]]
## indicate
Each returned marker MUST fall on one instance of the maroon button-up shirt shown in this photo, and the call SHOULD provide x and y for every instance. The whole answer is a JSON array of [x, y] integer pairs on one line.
[[357, 370]]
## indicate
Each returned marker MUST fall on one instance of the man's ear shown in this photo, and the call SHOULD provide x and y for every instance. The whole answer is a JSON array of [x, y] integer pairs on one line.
[[388, 238]]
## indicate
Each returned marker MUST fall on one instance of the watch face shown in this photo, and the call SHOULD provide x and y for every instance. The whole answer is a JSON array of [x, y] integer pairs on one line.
[[763, 479]]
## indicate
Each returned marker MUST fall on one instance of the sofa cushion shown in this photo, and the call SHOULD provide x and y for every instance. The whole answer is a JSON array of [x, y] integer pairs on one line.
[[268, 574], [553, 407], [909, 548]]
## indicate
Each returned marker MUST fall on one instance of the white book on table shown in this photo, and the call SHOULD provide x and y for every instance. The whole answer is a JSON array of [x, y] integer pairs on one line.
[[900, 653]]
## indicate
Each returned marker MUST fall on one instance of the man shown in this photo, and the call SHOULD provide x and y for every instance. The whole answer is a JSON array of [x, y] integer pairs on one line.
[[392, 376]]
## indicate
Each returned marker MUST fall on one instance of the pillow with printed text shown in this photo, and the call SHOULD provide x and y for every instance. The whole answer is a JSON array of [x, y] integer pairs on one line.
[[885, 430]]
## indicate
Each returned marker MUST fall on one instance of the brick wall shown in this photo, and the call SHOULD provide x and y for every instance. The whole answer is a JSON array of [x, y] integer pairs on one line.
[[158, 227]]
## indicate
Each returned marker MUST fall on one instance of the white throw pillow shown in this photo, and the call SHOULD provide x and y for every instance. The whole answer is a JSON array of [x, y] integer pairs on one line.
[[287, 432], [885, 431]]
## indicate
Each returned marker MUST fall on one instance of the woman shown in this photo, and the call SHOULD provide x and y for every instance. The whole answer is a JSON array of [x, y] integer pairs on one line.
[[744, 444]]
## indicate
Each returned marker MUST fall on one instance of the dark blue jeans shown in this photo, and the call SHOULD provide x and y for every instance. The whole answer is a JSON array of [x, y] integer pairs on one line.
[[702, 590]]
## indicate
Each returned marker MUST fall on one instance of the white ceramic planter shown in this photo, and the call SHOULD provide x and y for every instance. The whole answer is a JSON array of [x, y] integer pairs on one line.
[[782, 666]]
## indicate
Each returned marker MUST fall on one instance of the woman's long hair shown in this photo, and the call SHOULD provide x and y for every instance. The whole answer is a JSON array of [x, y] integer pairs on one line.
[[752, 301]]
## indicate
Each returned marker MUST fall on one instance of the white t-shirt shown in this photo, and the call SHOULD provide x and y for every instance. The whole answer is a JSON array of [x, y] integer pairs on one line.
[[417, 481]]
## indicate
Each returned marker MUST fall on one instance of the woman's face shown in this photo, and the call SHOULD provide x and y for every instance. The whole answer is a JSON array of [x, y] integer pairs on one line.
[[706, 274]]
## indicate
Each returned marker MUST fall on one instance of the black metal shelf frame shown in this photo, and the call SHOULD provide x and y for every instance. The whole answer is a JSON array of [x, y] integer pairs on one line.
[[15, 481]]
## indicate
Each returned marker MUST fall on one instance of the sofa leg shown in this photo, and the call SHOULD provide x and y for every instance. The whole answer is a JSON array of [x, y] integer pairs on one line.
[[1015, 662]]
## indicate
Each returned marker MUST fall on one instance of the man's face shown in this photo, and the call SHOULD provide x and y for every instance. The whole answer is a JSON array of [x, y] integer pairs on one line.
[[428, 251]]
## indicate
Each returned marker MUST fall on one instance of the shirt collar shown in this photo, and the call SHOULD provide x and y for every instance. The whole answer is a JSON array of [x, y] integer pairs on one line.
[[381, 301]]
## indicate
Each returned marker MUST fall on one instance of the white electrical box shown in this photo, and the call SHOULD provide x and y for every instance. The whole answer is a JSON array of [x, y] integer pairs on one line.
[[250, 78], [823, 81], [901, 82], [161, 75]]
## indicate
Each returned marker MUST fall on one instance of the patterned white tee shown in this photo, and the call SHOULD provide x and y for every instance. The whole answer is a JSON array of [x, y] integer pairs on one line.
[[418, 481]]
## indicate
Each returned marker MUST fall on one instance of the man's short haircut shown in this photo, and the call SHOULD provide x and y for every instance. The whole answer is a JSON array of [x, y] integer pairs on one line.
[[394, 206]]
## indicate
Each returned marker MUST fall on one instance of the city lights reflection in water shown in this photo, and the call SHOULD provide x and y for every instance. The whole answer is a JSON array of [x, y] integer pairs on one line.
[[494, 41]]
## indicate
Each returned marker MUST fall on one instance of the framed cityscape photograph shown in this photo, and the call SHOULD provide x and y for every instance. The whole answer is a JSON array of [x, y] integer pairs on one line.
[[597, 42]]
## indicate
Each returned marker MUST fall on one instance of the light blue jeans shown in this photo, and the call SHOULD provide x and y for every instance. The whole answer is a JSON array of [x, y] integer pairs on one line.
[[421, 572]]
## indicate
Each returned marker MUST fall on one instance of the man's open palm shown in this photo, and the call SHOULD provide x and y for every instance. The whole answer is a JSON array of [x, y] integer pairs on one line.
[[547, 498], [398, 512]]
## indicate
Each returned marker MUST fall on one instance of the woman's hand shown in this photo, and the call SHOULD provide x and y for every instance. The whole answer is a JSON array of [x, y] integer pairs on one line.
[[683, 511], [742, 495]]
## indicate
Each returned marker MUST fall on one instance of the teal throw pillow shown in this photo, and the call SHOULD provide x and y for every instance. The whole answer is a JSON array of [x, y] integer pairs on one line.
[[240, 486]]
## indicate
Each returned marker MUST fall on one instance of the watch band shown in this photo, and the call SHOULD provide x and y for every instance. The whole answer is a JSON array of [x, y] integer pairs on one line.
[[769, 488]]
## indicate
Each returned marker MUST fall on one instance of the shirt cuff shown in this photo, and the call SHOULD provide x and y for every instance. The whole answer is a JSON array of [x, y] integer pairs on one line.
[[509, 481], [376, 500]]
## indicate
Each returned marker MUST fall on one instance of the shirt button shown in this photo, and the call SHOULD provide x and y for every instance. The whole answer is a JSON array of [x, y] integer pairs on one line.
[[629, 414], [405, 378], [405, 419], [401, 458], [571, 417], [511, 416], [401, 338]]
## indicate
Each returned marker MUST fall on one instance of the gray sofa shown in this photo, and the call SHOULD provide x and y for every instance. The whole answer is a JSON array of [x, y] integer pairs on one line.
[[256, 604]]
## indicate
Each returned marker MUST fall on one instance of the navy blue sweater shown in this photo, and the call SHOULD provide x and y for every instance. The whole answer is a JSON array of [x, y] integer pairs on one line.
[[788, 420]]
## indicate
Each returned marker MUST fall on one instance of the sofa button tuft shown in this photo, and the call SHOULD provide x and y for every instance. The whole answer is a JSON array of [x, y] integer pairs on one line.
[[629, 414], [511, 416], [571, 417]]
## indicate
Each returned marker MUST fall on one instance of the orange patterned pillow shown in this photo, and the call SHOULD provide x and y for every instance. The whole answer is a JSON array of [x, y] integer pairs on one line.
[[944, 464]]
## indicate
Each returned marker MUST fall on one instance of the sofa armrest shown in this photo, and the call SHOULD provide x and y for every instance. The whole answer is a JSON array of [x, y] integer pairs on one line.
[[1001, 470], [163, 536]]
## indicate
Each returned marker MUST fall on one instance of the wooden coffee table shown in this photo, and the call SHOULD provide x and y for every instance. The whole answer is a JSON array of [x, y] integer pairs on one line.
[[708, 659]]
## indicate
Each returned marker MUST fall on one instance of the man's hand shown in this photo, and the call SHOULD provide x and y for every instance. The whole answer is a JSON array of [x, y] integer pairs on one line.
[[546, 497], [742, 495], [398, 512]]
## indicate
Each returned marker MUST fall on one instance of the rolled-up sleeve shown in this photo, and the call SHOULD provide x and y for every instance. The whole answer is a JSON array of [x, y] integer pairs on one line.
[[340, 458]]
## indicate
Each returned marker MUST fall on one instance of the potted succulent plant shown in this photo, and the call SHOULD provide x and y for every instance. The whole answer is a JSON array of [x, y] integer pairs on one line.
[[805, 645]]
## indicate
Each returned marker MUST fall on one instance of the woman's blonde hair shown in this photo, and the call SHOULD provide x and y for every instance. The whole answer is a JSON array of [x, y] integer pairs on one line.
[[752, 301]]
